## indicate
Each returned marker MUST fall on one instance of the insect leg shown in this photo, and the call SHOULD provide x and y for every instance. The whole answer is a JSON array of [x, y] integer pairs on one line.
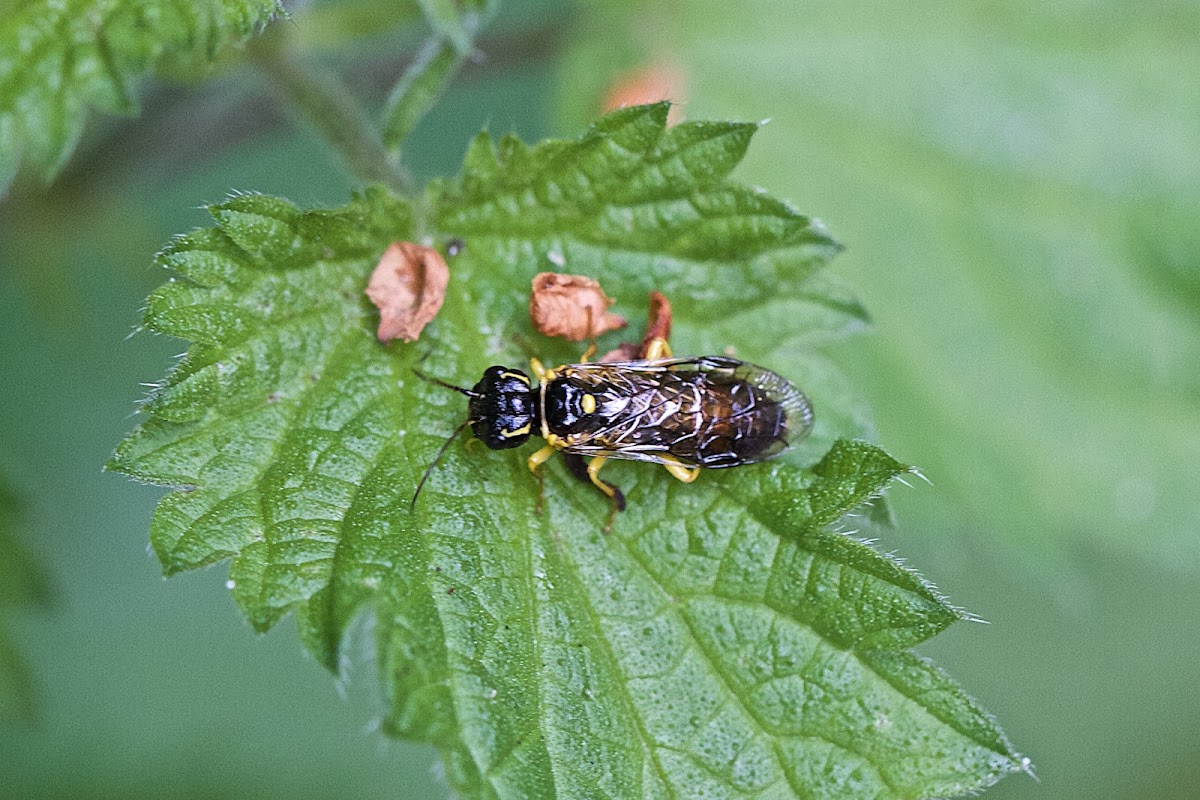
[[614, 494], [535, 461], [576, 467], [685, 474], [540, 457], [658, 348], [593, 472], [543, 375]]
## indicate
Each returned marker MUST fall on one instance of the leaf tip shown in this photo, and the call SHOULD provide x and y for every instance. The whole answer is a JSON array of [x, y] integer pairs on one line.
[[652, 114], [118, 462]]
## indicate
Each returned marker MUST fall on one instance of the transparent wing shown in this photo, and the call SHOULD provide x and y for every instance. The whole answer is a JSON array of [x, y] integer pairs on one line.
[[710, 411]]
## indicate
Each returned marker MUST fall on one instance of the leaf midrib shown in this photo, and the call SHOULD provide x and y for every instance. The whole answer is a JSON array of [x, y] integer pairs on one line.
[[649, 745]]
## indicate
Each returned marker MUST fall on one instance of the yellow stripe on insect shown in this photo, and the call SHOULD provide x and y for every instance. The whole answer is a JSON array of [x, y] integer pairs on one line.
[[523, 379], [524, 429]]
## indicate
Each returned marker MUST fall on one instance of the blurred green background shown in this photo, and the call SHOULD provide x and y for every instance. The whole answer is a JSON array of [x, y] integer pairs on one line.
[[1017, 185]]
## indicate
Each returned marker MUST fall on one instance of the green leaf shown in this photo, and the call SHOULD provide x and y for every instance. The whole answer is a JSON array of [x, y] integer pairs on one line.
[[57, 59], [1018, 195], [657, 211], [725, 639], [21, 585]]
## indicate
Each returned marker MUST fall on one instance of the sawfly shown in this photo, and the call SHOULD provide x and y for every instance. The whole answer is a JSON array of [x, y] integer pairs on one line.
[[687, 414]]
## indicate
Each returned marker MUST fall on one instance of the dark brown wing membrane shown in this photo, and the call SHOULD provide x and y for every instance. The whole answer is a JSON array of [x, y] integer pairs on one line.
[[709, 412]]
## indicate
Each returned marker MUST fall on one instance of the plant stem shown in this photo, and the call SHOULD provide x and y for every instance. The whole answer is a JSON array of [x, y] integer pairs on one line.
[[332, 111], [429, 74]]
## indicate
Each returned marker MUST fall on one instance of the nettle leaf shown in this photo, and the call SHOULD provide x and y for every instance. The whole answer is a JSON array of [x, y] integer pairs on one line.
[[724, 640], [22, 585], [57, 59], [656, 211], [927, 141]]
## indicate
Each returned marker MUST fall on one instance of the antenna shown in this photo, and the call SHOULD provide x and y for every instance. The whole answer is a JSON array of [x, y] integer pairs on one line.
[[444, 385], [445, 446]]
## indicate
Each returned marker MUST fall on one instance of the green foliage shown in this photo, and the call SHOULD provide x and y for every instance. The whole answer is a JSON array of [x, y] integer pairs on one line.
[[434, 66], [21, 585], [724, 640], [57, 59], [456, 20], [452, 42], [1017, 187], [327, 26]]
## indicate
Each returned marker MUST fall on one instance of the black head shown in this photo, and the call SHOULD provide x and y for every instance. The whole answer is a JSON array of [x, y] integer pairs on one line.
[[503, 408]]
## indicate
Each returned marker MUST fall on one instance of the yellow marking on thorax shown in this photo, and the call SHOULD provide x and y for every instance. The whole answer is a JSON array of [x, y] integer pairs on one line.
[[545, 376], [516, 375], [589, 403]]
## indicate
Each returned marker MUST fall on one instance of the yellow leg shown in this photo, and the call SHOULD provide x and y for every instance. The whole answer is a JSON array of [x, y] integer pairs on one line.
[[615, 496], [594, 473], [535, 461], [539, 458], [658, 348], [685, 474], [537, 369], [543, 375]]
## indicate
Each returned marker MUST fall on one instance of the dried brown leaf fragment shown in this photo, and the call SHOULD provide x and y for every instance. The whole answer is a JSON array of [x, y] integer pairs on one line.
[[566, 305], [658, 322], [658, 326], [408, 287]]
